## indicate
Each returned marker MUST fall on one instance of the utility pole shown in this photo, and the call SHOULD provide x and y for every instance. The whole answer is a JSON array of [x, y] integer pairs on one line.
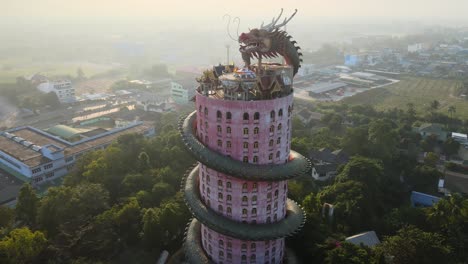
[[227, 53]]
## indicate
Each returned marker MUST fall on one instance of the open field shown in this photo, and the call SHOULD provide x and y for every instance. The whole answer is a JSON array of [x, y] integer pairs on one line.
[[10, 69], [416, 90]]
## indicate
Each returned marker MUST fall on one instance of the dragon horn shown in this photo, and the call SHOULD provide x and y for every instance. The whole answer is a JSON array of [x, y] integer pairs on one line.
[[286, 20]]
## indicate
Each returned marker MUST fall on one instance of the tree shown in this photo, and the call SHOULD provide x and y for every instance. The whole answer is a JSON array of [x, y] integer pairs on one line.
[[347, 253], [383, 139], [26, 208], [450, 147], [411, 112], [449, 216], [71, 206], [355, 141], [352, 209], [50, 99], [7, 216], [434, 105], [361, 169], [424, 178], [431, 159], [412, 245], [21, 246], [451, 111]]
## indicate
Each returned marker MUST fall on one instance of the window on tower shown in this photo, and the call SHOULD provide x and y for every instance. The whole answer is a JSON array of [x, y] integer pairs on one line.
[[256, 116]]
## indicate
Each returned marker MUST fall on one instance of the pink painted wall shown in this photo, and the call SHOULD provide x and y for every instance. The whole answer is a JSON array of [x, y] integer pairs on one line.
[[208, 127], [241, 200], [223, 249]]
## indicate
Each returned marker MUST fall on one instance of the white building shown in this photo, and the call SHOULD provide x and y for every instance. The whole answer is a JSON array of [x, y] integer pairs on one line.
[[36, 156], [62, 88], [415, 47], [182, 91]]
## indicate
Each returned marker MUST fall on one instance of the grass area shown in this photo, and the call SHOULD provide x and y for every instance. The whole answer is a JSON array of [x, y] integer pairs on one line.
[[419, 91]]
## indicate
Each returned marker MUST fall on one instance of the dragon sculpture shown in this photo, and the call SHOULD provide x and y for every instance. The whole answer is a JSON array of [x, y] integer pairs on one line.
[[269, 41]]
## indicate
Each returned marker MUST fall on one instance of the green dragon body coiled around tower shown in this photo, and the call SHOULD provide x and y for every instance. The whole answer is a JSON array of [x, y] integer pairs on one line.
[[268, 42]]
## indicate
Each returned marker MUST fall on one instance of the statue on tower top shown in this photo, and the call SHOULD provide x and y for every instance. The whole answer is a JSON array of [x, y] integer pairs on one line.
[[269, 41]]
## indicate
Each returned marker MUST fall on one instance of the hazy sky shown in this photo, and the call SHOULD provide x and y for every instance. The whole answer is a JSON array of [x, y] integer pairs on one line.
[[191, 9]]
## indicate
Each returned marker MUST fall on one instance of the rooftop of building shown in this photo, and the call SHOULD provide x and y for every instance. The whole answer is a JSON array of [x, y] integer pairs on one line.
[[367, 239], [31, 155]]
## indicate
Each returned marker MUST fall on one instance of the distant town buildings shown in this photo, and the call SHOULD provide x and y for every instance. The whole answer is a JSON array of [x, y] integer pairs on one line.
[[38, 156], [183, 91], [62, 88]]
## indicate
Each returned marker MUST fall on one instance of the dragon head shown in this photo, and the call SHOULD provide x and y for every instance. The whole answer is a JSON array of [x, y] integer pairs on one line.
[[257, 41], [269, 41]]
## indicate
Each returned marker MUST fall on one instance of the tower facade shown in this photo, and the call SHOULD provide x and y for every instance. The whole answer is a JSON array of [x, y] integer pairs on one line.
[[241, 135]]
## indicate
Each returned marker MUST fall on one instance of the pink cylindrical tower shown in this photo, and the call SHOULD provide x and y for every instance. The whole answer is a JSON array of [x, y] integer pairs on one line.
[[241, 135]]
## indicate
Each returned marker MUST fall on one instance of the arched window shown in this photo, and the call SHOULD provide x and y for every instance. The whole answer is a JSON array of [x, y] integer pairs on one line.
[[268, 207], [254, 198], [206, 111], [220, 208], [277, 154], [228, 185], [253, 246], [271, 143], [221, 243], [220, 183], [219, 129], [245, 145], [256, 116], [228, 144], [255, 159], [208, 190], [253, 258], [278, 141], [228, 116], [279, 127], [280, 112], [220, 143], [229, 197], [229, 210], [245, 199], [270, 157], [221, 253], [246, 131], [244, 257], [245, 159], [256, 145], [244, 211], [244, 246], [244, 186], [220, 196], [228, 130], [272, 114], [246, 116], [219, 115], [254, 211], [256, 130], [272, 128]]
